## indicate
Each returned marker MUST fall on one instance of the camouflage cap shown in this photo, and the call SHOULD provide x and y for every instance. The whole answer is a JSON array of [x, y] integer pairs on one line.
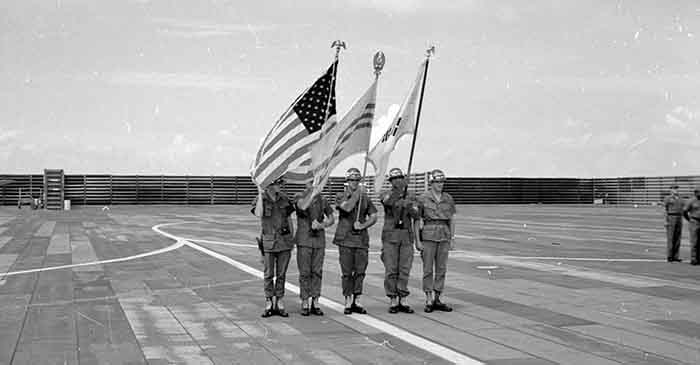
[[353, 174], [395, 173], [437, 176]]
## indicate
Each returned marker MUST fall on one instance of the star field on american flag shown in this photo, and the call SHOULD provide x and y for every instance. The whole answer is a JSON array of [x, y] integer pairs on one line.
[[311, 108]]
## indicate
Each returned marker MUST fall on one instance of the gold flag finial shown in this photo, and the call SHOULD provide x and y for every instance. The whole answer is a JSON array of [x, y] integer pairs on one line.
[[430, 51], [379, 60]]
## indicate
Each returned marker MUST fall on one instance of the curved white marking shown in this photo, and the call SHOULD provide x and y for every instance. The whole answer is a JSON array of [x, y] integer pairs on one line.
[[174, 246], [415, 340], [249, 245]]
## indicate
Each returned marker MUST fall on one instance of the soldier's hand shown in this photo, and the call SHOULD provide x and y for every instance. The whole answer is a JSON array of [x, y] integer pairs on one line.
[[419, 245], [400, 203], [451, 244], [357, 226], [316, 224]]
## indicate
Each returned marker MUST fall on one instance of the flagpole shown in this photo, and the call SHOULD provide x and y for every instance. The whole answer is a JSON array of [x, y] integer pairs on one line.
[[337, 44], [379, 60], [429, 52]]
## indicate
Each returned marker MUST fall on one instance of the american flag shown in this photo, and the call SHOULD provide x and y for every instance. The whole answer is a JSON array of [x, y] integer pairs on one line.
[[286, 150]]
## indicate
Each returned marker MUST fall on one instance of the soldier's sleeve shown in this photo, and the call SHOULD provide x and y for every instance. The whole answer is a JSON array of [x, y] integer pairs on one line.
[[686, 209], [290, 207], [254, 203], [421, 205], [326, 207], [339, 199], [412, 202], [453, 206], [371, 209]]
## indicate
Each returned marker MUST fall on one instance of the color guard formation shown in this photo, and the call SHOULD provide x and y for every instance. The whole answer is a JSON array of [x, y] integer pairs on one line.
[[423, 222]]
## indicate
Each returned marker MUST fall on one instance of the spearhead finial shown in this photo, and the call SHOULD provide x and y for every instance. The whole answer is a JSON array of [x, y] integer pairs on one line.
[[430, 51], [379, 60], [338, 44]]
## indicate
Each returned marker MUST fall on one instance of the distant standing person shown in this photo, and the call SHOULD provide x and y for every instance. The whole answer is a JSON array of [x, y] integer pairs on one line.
[[400, 209], [673, 209], [311, 249], [277, 242], [356, 213], [434, 240], [691, 212]]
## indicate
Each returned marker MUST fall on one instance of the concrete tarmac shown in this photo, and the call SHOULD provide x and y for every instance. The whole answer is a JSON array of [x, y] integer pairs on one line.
[[530, 284]]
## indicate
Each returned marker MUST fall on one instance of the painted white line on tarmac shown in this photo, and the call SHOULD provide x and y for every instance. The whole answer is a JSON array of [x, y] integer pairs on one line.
[[595, 259], [179, 243], [420, 342]]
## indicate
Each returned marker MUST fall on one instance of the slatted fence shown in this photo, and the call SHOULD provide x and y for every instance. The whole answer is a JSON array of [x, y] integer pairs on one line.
[[188, 190], [519, 190]]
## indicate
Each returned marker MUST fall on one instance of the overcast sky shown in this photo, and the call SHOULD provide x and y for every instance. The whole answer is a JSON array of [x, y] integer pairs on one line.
[[517, 88]]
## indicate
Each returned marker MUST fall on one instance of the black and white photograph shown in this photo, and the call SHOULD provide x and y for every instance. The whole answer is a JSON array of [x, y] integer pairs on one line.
[[336, 182]]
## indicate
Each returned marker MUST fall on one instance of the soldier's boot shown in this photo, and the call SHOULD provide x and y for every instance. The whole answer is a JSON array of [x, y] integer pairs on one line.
[[315, 310], [348, 305], [393, 305], [428, 302], [279, 308], [356, 307], [440, 306], [268, 308], [403, 306]]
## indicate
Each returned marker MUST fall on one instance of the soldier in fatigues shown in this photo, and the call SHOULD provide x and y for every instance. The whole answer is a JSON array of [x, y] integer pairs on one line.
[[673, 208], [311, 249], [691, 212], [352, 238], [434, 239], [277, 243], [400, 209]]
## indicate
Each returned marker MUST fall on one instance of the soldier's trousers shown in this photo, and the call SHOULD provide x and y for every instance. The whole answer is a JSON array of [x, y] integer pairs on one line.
[[694, 230], [310, 263], [397, 258], [353, 264], [276, 264], [674, 229], [434, 257]]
